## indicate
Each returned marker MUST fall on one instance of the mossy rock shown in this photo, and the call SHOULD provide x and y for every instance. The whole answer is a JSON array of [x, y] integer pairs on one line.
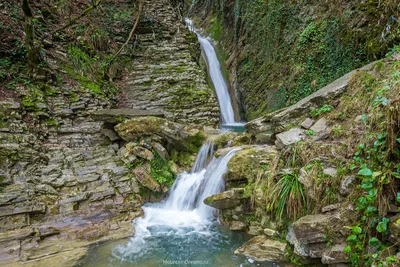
[[181, 137], [226, 200], [161, 171], [241, 140], [247, 162], [222, 140]]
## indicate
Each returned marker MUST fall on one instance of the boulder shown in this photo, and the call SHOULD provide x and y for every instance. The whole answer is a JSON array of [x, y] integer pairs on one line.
[[264, 138], [223, 151], [124, 153], [313, 251], [142, 152], [261, 249], [246, 162], [313, 228], [321, 136], [321, 130], [237, 226], [111, 134], [346, 184], [226, 200], [334, 255], [330, 208], [222, 140], [174, 168], [320, 126], [255, 229], [270, 232], [307, 123], [160, 150], [142, 174], [241, 140], [290, 137]]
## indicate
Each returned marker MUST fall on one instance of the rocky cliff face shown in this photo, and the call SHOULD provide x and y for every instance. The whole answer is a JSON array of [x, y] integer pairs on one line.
[[61, 178], [66, 177], [165, 72]]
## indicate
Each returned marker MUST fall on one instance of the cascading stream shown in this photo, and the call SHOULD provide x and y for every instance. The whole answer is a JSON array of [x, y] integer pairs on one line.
[[183, 217], [182, 229]]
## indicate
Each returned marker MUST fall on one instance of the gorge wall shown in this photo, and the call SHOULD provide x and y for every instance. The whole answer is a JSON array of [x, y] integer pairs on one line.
[[279, 52], [165, 73], [66, 178], [84, 143]]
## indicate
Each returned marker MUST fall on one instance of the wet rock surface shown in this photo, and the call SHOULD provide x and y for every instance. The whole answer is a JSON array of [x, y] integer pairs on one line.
[[261, 249], [245, 162], [227, 199]]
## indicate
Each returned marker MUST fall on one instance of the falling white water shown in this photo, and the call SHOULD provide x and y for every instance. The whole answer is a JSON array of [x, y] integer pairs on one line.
[[220, 85], [204, 156], [182, 226], [183, 214]]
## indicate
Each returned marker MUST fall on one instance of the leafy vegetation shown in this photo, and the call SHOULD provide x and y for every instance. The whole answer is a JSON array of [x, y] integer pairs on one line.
[[324, 109], [289, 50], [161, 170], [376, 162]]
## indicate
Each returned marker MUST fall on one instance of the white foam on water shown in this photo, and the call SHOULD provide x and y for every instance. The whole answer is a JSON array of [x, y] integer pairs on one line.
[[183, 213]]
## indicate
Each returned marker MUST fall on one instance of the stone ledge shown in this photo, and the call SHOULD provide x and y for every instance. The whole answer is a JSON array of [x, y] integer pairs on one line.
[[119, 115], [278, 121]]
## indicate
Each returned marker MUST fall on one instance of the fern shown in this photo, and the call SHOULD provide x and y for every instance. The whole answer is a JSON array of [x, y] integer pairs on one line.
[[81, 61]]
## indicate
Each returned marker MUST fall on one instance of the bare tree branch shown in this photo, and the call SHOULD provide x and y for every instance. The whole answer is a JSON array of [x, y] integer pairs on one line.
[[130, 34]]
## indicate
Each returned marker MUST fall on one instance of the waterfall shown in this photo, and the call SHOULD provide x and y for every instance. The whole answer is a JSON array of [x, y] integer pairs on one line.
[[220, 85], [183, 215], [191, 189], [182, 225]]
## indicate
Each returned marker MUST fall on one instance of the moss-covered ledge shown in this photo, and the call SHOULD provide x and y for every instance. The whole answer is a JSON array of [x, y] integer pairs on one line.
[[119, 115]]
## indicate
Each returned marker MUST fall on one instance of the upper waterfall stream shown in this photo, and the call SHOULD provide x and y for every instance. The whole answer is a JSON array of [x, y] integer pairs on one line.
[[181, 230], [217, 78], [220, 85]]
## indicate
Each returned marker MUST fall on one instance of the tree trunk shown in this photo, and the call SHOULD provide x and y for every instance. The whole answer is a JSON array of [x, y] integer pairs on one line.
[[31, 49]]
